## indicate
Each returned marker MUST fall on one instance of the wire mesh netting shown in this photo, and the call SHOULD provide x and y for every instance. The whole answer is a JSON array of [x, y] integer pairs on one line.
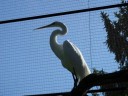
[[28, 65]]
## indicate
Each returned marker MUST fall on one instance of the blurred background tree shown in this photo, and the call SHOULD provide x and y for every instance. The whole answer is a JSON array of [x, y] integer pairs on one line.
[[117, 35], [117, 43]]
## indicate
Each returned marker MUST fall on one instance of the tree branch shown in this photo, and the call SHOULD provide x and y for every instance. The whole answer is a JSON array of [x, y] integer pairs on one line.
[[98, 80]]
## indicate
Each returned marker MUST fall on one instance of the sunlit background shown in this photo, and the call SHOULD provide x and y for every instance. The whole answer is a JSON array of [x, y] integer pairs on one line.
[[28, 65]]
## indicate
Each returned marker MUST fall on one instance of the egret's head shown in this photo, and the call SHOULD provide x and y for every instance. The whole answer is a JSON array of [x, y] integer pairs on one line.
[[54, 24]]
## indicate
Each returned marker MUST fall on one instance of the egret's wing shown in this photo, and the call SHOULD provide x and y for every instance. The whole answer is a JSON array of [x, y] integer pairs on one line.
[[73, 53], [76, 58]]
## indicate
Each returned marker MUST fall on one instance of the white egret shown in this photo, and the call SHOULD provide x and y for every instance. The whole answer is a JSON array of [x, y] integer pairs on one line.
[[70, 56]]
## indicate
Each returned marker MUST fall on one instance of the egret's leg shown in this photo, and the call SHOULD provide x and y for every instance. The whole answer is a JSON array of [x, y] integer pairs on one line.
[[75, 78]]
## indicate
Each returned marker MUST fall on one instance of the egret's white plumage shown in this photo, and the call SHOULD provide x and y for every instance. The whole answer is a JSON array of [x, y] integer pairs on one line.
[[70, 56]]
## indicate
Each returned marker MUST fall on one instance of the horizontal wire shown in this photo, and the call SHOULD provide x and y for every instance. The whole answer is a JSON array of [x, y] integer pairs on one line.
[[62, 13]]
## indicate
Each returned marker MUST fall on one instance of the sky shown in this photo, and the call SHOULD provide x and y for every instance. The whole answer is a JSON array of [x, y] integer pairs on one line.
[[28, 65]]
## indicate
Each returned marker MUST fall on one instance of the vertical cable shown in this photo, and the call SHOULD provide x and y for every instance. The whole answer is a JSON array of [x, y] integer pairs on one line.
[[90, 38]]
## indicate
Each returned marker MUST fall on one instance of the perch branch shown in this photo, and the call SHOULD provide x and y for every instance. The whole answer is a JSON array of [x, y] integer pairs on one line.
[[98, 80]]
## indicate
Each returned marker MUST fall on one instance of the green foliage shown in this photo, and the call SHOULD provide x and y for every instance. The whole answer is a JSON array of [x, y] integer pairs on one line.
[[117, 35], [117, 43]]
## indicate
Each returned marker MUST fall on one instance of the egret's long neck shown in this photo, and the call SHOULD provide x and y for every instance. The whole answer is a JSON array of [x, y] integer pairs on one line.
[[57, 48]]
